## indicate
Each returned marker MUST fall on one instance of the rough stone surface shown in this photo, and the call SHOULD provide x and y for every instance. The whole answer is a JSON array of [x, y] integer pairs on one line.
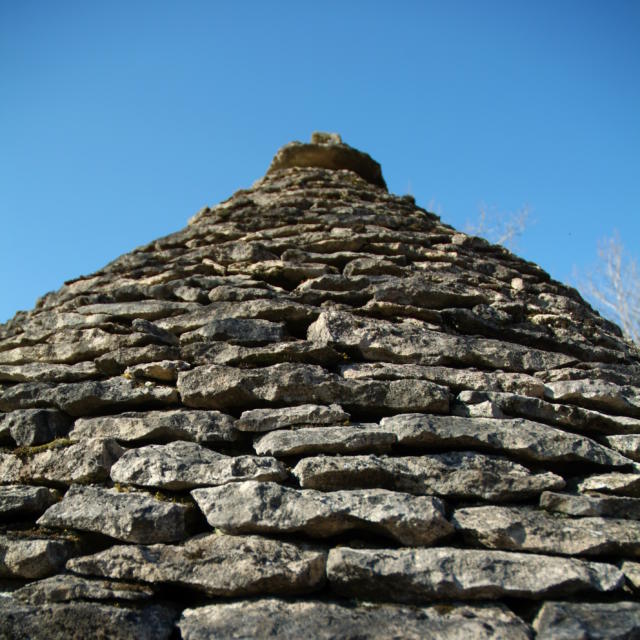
[[67, 588], [258, 420], [628, 445], [272, 617], [597, 394], [29, 427], [218, 565], [593, 504], [245, 331], [525, 529], [466, 475], [266, 507], [631, 572], [19, 500], [623, 484], [32, 558], [593, 620], [206, 427], [80, 620], [521, 438], [416, 575], [184, 465], [127, 516]]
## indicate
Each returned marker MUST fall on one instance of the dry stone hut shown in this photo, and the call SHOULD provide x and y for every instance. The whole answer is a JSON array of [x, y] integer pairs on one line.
[[318, 411]]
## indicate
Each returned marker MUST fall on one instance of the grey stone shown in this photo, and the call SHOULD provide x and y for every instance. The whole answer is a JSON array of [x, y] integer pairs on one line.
[[219, 387], [631, 572], [81, 620], [44, 372], [412, 341], [592, 620], [597, 394], [144, 309], [117, 362], [29, 427], [526, 529], [593, 504], [144, 326], [218, 565], [356, 438], [83, 398], [66, 587], [208, 427], [456, 474], [271, 617], [245, 331], [163, 371], [416, 575], [84, 462], [622, 484], [10, 468], [127, 516], [266, 507], [259, 420], [628, 445], [20, 500], [32, 558], [184, 465], [520, 438]]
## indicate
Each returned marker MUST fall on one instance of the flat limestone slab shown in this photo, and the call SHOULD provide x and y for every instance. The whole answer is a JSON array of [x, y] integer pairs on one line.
[[526, 529], [591, 504], [620, 484], [260, 420], [419, 575], [81, 620], [20, 500], [218, 565], [356, 438], [185, 465], [207, 427], [29, 427], [275, 618], [457, 474], [131, 517], [628, 445], [266, 507], [518, 437], [593, 620]]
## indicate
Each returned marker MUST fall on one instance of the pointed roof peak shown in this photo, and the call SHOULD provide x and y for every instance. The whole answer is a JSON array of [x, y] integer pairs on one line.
[[327, 151]]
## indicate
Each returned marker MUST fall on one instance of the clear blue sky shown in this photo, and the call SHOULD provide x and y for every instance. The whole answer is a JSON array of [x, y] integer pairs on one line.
[[119, 120]]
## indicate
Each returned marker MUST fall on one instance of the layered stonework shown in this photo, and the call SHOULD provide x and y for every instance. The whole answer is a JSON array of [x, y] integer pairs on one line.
[[318, 410]]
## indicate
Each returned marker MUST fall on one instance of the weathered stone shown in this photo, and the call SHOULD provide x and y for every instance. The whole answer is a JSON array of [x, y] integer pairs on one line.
[[184, 465], [67, 587], [44, 372], [457, 379], [207, 427], [83, 398], [20, 500], [116, 362], [29, 427], [593, 504], [10, 468], [245, 331], [627, 445], [219, 565], [416, 575], [127, 516], [81, 620], [266, 507], [525, 529], [520, 438], [163, 371], [145, 309], [631, 572], [87, 461], [456, 474], [31, 558], [622, 484], [412, 341], [356, 438], [271, 617], [596, 394], [144, 326], [259, 420], [219, 387], [592, 620]]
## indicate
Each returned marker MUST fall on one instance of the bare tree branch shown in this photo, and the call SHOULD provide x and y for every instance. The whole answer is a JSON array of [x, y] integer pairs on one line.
[[500, 228]]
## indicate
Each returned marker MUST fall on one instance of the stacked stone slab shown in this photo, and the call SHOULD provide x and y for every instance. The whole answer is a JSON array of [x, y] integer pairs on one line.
[[318, 411]]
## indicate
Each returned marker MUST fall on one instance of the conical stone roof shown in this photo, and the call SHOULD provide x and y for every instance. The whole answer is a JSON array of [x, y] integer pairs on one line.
[[318, 411]]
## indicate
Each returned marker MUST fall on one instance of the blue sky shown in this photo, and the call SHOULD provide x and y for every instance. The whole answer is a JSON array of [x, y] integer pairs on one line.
[[119, 120]]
